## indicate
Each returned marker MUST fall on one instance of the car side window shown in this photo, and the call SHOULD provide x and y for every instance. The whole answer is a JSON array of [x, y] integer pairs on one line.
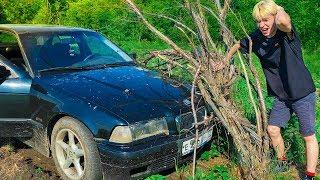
[[10, 49]]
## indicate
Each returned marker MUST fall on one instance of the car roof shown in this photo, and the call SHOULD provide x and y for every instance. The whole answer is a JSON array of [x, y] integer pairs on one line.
[[31, 28]]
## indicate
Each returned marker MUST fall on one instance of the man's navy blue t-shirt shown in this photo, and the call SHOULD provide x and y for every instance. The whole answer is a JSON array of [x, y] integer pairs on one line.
[[282, 63]]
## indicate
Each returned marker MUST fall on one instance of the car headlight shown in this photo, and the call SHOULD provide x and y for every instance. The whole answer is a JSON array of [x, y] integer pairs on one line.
[[127, 134]]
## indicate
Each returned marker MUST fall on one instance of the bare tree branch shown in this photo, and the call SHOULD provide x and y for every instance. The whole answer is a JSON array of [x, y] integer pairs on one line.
[[175, 21], [196, 76], [161, 35]]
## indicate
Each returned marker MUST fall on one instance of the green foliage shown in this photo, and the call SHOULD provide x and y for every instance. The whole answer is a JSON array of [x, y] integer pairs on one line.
[[8, 38], [108, 17], [242, 10], [38, 170], [217, 172], [283, 177], [312, 62], [213, 152], [304, 15], [43, 16], [156, 177], [52, 12], [199, 175], [318, 119], [19, 11], [114, 19], [205, 156]]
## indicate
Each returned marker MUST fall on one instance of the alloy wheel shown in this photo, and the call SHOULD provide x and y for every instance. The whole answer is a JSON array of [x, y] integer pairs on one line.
[[70, 154]]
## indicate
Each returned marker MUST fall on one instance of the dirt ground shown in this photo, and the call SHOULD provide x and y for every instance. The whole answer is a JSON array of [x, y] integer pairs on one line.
[[292, 174], [18, 161]]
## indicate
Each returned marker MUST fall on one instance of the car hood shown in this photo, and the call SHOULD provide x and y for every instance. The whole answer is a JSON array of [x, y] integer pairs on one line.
[[130, 92]]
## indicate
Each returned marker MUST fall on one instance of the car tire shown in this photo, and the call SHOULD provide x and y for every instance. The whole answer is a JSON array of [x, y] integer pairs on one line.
[[76, 159]]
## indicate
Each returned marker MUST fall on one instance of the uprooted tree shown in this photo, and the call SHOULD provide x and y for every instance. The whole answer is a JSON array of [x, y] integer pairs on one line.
[[250, 139]]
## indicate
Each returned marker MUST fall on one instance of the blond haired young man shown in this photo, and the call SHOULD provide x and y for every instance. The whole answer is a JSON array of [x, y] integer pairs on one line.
[[277, 45]]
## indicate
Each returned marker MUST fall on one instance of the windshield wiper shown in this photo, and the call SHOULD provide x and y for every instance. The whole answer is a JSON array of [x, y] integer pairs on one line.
[[69, 68], [77, 68], [117, 64]]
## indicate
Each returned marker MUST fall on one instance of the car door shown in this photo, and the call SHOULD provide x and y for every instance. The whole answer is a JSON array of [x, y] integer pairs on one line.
[[15, 102]]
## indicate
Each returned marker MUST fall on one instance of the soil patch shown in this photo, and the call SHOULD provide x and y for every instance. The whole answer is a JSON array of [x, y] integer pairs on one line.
[[18, 161]]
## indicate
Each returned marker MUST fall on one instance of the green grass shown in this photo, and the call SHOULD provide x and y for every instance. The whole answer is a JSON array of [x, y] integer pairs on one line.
[[312, 62]]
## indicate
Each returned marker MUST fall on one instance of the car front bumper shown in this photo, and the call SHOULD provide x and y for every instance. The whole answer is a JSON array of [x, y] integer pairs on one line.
[[140, 160]]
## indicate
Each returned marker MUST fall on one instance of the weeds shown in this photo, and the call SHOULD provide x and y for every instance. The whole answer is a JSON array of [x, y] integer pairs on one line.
[[9, 147], [213, 152], [156, 177], [220, 172], [38, 170], [183, 168]]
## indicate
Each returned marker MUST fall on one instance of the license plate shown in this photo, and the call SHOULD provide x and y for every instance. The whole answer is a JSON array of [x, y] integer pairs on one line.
[[187, 146]]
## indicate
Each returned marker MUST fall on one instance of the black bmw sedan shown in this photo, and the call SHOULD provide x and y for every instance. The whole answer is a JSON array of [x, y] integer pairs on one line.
[[71, 94]]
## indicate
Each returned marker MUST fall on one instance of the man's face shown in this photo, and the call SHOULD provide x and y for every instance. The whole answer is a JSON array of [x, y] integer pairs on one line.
[[267, 26]]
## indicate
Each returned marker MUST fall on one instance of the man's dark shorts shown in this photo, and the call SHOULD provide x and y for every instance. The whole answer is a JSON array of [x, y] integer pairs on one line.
[[304, 108]]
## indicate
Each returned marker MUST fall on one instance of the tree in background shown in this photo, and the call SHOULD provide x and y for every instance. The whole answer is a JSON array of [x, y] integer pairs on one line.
[[19, 11], [111, 17]]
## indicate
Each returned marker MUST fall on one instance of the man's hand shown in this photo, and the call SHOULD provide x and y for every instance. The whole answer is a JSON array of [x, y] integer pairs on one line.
[[222, 64], [283, 20]]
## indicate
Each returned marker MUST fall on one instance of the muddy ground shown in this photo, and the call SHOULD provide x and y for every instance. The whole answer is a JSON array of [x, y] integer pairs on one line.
[[18, 161]]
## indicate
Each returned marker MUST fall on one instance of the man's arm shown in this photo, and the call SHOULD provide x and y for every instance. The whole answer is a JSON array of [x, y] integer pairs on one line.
[[283, 20], [232, 51]]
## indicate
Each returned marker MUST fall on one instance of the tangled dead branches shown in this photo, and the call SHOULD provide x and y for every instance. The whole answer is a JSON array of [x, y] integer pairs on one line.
[[251, 140]]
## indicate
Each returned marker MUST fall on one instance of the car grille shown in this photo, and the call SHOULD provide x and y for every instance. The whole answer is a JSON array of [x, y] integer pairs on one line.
[[184, 122]]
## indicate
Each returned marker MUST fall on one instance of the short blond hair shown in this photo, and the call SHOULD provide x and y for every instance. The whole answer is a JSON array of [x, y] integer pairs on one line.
[[263, 9]]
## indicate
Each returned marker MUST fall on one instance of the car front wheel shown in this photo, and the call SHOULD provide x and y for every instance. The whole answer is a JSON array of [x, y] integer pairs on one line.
[[74, 151]]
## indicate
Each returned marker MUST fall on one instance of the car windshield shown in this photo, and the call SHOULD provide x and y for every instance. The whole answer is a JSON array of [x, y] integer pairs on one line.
[[70, 49]]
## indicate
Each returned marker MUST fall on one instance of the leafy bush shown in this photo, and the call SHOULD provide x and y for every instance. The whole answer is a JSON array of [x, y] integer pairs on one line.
[[19, 11], [114, 19]]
